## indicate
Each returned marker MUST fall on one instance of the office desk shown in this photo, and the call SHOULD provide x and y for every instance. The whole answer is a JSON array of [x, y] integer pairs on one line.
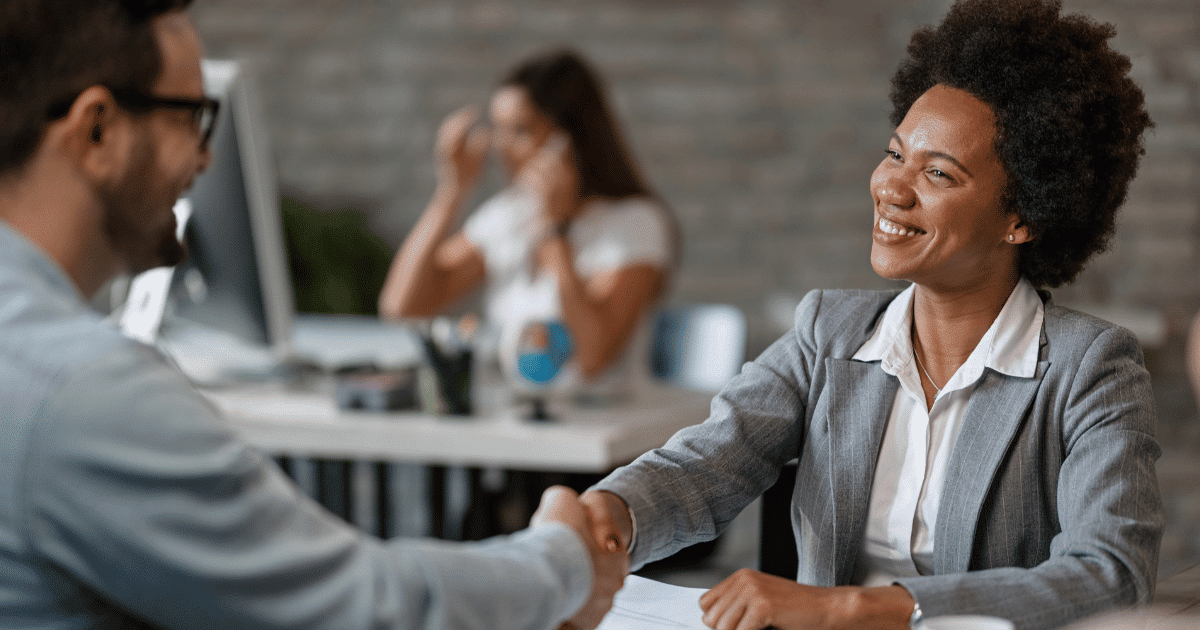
[[580, 439], [308, 424]]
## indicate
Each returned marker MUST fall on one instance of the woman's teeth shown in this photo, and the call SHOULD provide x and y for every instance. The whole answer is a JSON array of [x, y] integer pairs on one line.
[[894, 228]]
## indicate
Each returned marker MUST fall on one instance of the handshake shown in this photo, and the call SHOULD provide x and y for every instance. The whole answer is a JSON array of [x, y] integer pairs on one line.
[[603, 522]]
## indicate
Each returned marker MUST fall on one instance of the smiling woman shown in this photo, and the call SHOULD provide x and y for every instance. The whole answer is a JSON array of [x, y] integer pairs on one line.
[[939, 219], [964, 446]]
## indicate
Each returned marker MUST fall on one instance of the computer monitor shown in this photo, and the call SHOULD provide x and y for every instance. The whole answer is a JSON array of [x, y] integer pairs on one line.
[[230, 313], [235, 277]]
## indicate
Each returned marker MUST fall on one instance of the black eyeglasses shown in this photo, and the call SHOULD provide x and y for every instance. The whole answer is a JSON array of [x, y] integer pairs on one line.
[[203, 111]]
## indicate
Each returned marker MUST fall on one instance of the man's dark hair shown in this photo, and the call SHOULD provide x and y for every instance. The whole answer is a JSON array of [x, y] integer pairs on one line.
[[51, 50], [1069, 120]]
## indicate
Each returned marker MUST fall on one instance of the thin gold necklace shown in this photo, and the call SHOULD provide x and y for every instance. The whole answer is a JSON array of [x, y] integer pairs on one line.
[[918, 358]]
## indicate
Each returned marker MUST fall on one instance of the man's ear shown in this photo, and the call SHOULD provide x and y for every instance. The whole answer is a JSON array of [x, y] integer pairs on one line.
[[94, 134]]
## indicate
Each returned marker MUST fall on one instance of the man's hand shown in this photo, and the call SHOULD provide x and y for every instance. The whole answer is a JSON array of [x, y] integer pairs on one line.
[[609, 567]]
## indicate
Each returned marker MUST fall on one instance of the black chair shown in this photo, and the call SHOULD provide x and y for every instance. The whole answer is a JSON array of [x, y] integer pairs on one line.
[[777, 544]]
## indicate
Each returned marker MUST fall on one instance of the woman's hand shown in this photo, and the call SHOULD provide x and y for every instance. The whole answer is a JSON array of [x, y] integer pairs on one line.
[[436, 267], [751, 600], [460, 150], [551, 177], [612, 526]]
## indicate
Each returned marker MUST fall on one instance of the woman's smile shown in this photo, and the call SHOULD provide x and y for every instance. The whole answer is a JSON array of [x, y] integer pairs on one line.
[[887, 228]]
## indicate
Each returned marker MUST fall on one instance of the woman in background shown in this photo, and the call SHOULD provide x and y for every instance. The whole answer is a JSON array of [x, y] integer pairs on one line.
[[576, 237]]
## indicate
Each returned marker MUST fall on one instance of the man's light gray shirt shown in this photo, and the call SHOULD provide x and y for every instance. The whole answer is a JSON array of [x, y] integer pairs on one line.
[[126, 501]]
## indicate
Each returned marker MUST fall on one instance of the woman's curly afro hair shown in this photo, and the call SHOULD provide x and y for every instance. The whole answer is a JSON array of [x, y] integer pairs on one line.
[[1069, 121]]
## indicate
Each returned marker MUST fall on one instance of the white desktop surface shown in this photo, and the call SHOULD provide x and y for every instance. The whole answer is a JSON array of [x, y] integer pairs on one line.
[[579, 439]]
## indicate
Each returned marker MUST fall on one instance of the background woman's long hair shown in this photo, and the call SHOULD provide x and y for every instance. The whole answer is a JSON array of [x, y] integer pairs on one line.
[[565, 89]]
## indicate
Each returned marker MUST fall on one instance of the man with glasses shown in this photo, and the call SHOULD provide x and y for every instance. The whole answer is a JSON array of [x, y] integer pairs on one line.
[[203, 111], [125, 501]]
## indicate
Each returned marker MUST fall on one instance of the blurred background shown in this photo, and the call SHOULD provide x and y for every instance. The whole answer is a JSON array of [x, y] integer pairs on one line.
[[759, 122]]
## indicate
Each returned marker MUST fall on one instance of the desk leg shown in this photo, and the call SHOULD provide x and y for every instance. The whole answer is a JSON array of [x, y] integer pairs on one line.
[[461, 492], [436, 482], [481, 519], [364, 497], [383, 505], [334, 487], [304, 472]]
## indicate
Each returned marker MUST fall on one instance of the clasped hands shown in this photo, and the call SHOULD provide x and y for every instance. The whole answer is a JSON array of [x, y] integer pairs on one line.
[[746, 600], [610, 558]]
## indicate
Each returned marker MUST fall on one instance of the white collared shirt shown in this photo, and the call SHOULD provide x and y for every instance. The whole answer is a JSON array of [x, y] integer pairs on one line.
[[917, 442]]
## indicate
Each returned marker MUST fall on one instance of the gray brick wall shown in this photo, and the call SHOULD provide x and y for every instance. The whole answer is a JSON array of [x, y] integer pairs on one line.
[[759, 121]]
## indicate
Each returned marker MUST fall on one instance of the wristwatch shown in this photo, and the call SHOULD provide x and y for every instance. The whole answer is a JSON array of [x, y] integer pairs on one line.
[[914, 622]]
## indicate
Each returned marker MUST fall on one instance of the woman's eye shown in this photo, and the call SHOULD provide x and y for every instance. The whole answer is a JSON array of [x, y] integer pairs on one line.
[[940, 174], [895, 155]]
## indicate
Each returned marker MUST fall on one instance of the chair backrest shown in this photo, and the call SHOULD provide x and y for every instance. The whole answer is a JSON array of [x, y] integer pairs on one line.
[[1192, 357], [699, 346]]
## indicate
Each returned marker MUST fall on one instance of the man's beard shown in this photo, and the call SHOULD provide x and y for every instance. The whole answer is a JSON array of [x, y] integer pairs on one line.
[[143, 237]]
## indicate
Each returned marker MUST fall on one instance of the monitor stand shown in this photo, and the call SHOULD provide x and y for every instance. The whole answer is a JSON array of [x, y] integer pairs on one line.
[[142, 314]]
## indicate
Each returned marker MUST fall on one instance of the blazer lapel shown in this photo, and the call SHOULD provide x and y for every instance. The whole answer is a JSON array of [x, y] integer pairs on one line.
[[997, 409], [861, 397]]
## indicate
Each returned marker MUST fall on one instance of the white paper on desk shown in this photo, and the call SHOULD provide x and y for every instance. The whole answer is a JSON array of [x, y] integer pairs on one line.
[[648, 605]]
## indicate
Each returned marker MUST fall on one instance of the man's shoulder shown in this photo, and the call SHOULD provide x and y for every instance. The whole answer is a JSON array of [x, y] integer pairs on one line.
[[54, 341], [89, 382], [46, 347], [72, 379]]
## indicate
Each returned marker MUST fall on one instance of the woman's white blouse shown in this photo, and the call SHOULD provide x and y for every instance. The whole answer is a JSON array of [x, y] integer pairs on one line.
[[917, 442], [607, 235]]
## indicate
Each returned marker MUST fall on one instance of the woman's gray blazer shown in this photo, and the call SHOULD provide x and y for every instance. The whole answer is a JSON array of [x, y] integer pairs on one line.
[[1051, 511]]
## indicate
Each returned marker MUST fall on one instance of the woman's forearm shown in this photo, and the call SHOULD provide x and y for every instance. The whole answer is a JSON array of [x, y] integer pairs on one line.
[[415, 283], [583, 317], [600, 321]]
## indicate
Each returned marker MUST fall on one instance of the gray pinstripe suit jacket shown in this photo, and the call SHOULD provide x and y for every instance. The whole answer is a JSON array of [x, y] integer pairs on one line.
[[1052, 510]]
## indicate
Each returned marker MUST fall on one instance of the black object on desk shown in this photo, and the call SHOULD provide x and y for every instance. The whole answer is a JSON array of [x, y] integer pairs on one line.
[[538, 412], [368, 388]]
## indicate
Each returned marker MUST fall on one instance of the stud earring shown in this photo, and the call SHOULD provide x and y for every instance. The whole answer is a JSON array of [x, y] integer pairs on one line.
[[1010, 238]]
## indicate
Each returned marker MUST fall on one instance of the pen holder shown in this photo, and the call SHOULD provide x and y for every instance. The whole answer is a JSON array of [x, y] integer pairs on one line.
[[453, 373]]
